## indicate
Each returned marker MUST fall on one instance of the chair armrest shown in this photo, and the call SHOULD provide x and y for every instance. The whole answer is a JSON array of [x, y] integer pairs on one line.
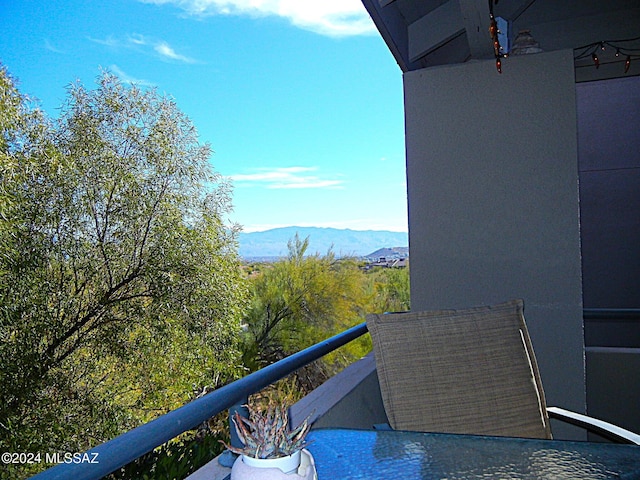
[[602, 428]]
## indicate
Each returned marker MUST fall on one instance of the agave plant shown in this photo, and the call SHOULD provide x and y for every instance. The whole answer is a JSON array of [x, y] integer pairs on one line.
[[266, 434]]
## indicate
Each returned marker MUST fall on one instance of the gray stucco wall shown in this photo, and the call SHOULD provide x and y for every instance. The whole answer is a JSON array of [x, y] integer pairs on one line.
[[492, 177]]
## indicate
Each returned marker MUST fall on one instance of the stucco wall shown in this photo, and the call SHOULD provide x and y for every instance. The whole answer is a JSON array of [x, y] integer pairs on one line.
[[492, 180]]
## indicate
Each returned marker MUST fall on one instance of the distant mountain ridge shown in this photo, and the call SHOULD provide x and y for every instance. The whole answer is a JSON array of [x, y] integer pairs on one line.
[[343, 242]]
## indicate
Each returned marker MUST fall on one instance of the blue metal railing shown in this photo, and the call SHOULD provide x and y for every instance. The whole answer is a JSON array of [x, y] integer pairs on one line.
[[131, 445]]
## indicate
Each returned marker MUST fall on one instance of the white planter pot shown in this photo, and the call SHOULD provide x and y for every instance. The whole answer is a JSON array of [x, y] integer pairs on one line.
[[287, 464], [299, 466]]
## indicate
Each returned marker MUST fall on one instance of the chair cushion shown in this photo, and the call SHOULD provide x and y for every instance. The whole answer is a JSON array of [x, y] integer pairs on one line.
[[467, 371]]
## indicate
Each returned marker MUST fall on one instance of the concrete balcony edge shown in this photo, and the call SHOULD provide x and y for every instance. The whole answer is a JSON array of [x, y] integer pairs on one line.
[[350, 399]]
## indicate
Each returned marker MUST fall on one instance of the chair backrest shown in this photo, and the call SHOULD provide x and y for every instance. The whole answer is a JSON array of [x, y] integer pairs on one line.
[[467, 371]]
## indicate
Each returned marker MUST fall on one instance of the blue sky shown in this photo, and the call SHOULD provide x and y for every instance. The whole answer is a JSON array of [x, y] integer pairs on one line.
[[300, 100]]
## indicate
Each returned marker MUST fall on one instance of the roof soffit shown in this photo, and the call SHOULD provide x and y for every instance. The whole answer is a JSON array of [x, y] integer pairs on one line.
[[435, 32]]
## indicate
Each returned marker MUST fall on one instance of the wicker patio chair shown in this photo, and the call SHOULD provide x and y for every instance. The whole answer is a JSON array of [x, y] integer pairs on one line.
[[470, 371]]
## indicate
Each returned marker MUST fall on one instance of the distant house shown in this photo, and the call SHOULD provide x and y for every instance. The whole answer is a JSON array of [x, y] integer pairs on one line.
[[384, 262], [400, 263]]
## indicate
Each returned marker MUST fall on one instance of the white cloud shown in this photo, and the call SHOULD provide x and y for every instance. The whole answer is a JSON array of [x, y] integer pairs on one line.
[[108, 42], [165, 50], [144, 44], [335, 18], [286, 178], [137, 39], [128, 78], [51, 47]]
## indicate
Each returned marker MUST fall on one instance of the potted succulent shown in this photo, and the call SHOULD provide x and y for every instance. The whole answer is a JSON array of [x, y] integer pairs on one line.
[[271, 450]]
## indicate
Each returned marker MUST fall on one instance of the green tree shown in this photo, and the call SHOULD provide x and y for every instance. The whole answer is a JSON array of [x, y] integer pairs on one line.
[[389, 290], [299, 301], [121, 290]]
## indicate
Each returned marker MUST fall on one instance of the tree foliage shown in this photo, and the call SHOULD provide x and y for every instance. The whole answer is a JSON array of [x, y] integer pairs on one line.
[[118, 275], [389, 290], [302, 300], [121, 295], [306, 298]]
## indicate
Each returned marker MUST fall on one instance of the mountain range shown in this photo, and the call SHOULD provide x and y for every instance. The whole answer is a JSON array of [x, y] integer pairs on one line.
[[343, 242]]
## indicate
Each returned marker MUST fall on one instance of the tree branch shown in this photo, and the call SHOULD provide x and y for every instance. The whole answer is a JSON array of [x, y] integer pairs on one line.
[[50, 359]]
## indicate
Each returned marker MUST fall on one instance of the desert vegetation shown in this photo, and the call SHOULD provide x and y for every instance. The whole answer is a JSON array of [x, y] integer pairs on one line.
[[122, 295]]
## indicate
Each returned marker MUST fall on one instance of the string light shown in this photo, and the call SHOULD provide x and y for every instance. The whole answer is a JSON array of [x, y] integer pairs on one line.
[[621, 47], [493, 32]]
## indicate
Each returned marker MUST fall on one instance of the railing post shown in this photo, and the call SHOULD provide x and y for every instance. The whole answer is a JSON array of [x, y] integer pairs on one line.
[[227, 458]]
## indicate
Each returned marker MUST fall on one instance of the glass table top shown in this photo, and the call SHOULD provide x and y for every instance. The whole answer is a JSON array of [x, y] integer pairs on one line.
[[374, 454]]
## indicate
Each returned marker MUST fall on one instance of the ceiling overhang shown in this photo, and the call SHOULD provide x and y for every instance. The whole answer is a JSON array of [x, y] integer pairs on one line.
[[426, 33]]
